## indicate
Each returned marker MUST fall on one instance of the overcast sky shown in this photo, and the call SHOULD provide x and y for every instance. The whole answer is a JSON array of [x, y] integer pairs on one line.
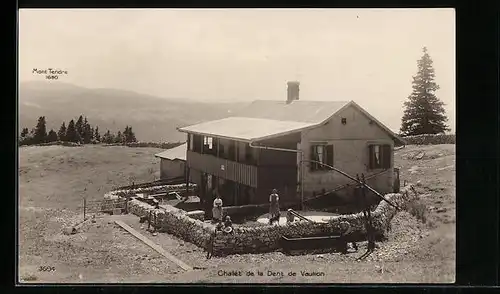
[[367, 55]]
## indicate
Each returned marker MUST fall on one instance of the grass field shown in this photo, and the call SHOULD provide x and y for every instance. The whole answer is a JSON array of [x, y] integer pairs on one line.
[[53, 181]]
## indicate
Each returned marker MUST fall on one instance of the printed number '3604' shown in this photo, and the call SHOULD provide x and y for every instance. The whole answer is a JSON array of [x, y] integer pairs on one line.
[[46, 269]]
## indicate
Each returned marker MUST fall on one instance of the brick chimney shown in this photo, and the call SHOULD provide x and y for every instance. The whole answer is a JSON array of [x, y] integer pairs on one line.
[[292, 91]]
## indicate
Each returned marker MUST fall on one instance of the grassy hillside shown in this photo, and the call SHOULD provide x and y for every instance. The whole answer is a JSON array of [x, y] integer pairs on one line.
[[53, 180], [153, 118]]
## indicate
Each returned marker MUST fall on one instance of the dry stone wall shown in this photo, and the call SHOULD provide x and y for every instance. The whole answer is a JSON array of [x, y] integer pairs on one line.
[[267, 238], [191, 228], [175, 221], [429, 139]]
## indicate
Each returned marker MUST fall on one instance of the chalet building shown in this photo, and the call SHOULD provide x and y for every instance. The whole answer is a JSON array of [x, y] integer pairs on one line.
[[268, 144], [173, 162]]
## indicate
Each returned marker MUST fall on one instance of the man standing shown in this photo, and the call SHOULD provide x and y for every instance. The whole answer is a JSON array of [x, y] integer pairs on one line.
[[274, 208]]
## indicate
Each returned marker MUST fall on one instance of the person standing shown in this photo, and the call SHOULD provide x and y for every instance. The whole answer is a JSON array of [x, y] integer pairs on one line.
[[210, 243], [274, 208], [217, 209]]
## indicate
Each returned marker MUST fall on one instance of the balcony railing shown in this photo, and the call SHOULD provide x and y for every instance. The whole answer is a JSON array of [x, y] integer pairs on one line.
[[223, 168]]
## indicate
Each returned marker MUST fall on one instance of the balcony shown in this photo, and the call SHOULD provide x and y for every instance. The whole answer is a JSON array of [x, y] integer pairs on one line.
[[223, 168]]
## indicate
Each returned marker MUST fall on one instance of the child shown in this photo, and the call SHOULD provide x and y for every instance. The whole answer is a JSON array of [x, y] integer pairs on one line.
[[274, 208], [290, 218]]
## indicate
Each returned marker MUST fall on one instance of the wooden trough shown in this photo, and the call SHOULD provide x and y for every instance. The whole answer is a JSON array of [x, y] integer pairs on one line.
[[293, 245]]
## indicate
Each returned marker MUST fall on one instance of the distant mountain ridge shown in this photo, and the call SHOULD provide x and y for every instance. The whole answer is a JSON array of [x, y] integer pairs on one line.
[[152, 118]]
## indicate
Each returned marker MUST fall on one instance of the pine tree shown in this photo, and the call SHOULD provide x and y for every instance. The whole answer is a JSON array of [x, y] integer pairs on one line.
[[71, 133], [97, 136], [119, 137], [424, 112], [40, 131], [108, 138], [24, 138], [129, 136], [52, 136], [79, 126], [61, 134], [24, 132], [86, 132]]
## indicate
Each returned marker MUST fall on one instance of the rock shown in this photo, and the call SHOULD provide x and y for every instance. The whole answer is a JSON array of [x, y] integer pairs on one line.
[[442, 209], [69, 231]]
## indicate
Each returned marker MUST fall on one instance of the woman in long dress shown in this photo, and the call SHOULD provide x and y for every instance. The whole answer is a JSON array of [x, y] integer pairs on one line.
[[217, 209], [274, 208]]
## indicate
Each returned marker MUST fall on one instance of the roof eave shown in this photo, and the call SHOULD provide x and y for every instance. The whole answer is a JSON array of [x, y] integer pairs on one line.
[[215, 136], [283, 133]]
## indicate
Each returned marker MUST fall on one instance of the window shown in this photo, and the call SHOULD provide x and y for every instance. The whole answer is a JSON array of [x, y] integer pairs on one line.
[[322, 153], [209, 146], [380, 156], [207, 141]]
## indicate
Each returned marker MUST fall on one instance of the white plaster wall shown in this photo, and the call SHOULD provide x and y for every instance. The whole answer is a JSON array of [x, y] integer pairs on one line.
[[350, 145]]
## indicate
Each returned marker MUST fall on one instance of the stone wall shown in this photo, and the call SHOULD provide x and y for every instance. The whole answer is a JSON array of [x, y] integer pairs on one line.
[[196, 214], [153, 189], [176, 222], [430, 139], [266, 238]]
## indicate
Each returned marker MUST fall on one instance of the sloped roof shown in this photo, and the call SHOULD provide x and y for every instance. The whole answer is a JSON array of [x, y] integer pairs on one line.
[[246, 128], [178, 152], [264, 119], [298, 110]]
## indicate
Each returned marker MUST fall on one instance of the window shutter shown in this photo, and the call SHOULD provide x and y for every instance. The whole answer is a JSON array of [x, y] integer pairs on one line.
[[312, 156], [386, 156], [329, 155], [215, 144], [371, 157]]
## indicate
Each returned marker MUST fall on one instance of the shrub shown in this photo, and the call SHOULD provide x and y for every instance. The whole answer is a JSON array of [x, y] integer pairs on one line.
[[418, 209]]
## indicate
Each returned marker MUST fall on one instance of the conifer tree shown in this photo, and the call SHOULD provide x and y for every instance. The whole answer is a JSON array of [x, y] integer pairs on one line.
[[108, 137], [40, 135], [97, 136], [61, 134], [79, 126], [71, 133], [24, 132], [86, 132], [119, 137], [424, 112], [129, 136], [52, 136]]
